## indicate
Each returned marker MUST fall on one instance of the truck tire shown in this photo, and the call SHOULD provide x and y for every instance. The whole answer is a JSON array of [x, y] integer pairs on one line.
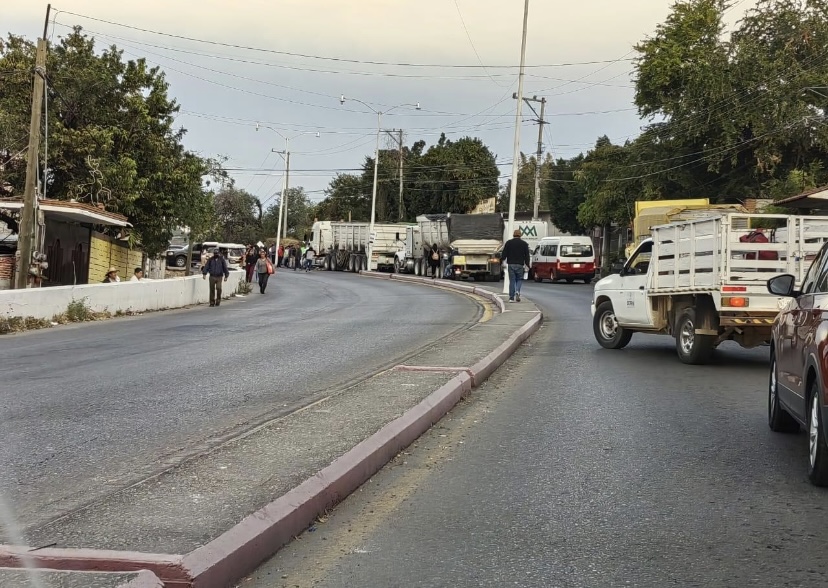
[[364, 261], [327, 263], [605, 327], [692, 348]]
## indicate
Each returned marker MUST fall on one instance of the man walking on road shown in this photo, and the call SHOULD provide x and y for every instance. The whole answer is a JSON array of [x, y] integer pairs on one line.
[[516, 254], [217, 269]]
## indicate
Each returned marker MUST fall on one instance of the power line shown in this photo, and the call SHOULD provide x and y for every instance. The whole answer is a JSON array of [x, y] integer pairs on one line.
[[321, 57]]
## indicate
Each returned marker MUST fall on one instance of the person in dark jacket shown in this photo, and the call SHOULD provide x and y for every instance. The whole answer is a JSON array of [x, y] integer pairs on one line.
[[517, 256], [434, 260], [217, 269]]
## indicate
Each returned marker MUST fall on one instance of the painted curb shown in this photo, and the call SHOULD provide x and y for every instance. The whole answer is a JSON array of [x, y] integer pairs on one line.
[[449, 284], [489, 364], [166, 567], [243, 548], [145, 579]]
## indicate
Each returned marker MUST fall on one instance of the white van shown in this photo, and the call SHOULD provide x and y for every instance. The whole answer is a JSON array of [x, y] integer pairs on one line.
[[564, 258]]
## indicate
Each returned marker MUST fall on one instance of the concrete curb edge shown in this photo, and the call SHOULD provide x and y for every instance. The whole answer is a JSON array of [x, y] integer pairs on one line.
[[145, 579], [167, 567], [239, 551]]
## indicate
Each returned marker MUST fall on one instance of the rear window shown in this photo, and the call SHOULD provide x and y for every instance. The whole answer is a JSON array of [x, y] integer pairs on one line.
[[576, 251]]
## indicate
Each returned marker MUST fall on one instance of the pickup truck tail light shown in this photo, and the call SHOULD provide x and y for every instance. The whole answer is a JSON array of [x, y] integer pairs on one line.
[[736, 302]]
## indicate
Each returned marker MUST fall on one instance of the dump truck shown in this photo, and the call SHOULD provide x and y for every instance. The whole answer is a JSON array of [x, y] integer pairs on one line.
[[343, 246], [703, 281]]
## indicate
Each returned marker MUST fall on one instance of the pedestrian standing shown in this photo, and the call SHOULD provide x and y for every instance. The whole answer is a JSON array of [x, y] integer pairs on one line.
[[309, 255], [264, 268], [434, 260], [517, 256], [250, 259], [217, 269], [280, 254], [294, 257]]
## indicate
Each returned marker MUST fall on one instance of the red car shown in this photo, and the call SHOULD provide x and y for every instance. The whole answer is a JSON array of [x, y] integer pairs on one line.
[[798, 383]]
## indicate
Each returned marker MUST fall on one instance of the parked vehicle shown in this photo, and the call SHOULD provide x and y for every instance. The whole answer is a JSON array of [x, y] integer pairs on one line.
[[415, 245], [563, 258], [798, 379], [342, 246], [703, 282], [233, 252], [177, 255], [474, 242]]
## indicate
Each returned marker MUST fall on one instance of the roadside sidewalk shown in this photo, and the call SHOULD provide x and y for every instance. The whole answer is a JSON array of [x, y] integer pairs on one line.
[[223, 509]]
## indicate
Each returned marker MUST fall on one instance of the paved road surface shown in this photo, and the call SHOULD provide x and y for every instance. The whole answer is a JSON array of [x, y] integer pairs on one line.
[[581, 467], [87, 409]]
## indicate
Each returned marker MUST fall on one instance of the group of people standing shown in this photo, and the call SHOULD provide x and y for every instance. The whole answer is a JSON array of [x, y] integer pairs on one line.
[[258, 266], [297, 256]]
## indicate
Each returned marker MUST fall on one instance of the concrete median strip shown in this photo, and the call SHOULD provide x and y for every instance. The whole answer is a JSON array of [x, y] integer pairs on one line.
[[453, 367]]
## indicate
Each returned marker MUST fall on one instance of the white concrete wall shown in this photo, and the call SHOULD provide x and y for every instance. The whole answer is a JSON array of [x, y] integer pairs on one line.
[[45, 303]]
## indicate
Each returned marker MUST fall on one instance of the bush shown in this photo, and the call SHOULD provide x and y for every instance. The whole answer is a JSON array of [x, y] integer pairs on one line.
[[78, 311]]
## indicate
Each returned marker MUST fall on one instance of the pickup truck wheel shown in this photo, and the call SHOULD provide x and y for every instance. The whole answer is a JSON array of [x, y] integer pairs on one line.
[[778, 418], [607, 331], [692, 348]]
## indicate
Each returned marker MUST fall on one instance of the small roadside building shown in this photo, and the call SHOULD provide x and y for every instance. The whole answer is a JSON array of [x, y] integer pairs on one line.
[[77, 241]]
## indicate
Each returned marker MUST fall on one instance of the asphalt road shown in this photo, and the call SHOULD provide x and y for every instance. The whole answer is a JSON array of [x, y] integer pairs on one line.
[[576, 466], [86, 410]]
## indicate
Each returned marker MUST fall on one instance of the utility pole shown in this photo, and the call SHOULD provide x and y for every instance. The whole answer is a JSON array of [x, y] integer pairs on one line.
[[540, 122], [399, 139], [27, 236], [516, 154], [402, 205]]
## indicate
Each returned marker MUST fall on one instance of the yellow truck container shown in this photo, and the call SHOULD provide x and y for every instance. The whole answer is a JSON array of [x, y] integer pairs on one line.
[[652, 213]]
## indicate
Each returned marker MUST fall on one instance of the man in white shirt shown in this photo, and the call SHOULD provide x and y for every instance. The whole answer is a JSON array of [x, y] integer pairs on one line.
[[138, 276]]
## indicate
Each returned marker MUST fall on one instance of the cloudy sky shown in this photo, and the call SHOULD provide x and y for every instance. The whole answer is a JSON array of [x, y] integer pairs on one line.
[[285, 63]]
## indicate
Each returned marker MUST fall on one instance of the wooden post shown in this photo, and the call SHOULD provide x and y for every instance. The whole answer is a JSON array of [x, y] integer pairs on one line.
[[27, 237]]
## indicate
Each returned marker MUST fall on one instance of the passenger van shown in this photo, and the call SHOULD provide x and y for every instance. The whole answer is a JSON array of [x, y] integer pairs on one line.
[[564, 258]]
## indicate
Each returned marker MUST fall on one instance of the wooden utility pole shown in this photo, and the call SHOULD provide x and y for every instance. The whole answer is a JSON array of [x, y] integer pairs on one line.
[[402, 205], [27, 236], [538, 161]]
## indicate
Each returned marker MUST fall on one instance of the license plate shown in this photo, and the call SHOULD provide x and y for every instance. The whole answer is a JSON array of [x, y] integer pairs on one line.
[[576, 265]]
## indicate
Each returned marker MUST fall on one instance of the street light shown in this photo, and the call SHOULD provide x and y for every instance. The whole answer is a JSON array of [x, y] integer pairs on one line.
[[286, 156], [379, 114]]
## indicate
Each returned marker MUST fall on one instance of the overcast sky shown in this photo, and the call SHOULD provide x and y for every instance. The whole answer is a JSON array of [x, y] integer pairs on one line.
[[224, 90]]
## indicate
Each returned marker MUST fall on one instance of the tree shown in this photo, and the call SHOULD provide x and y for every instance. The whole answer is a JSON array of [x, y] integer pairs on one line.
[[111, 136], [346, 197], [738, 115], [452, 176], [564, 195], [610, 198], [239, 216], [301, 213]]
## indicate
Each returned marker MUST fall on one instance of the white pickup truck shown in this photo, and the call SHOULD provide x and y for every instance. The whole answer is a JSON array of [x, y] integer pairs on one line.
[[703, 281]]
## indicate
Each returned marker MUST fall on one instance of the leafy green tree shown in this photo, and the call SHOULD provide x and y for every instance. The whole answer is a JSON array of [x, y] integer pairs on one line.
[[347, 196], [112, 139], [564, 195], [239, 216], [301, 214]]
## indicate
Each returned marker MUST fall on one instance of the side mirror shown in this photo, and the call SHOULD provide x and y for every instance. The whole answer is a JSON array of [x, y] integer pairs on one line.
[[782, 285]]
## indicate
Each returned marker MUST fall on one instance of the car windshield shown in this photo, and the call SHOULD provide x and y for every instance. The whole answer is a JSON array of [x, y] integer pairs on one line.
[[576, 250]]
